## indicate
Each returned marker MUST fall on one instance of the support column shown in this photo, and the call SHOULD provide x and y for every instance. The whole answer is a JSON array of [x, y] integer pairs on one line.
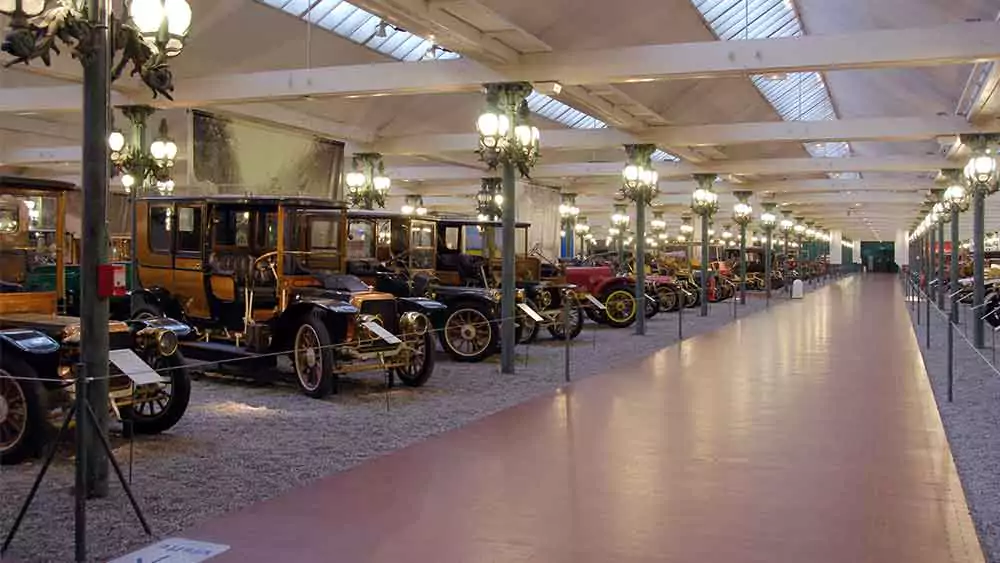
[[640, 266], [94, 309], [940, 288], [979, 289], [704, 266], [743, 264], [953, 286], [508, 281], [931, 263], [767, 266]]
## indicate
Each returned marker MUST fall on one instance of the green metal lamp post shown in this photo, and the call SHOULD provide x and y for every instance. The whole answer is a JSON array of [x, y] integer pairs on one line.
[[582, 229], [742, 215], [509, 141], [640, 184], [787, 226], [981, 179], [768, 221], [956, 200], [619, 230], [145, 167], [568, 213], [687, 232], [704, 203]]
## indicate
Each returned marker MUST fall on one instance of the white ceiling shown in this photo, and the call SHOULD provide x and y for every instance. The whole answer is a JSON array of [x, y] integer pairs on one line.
[[245, 36]]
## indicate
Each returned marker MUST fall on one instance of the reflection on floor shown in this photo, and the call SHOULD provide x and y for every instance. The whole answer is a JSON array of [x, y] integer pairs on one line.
[[805, 433]]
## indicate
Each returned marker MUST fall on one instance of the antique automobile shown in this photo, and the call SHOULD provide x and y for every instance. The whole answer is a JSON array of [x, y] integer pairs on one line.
[[399, 254], [598, 277], [40, 348], [546, 295], [262, 280]]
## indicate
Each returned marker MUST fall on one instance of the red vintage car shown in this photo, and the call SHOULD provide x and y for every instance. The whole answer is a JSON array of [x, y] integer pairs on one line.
[[615, 292]]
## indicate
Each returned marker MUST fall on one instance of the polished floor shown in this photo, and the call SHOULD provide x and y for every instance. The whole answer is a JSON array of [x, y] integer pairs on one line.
[[807, 433]]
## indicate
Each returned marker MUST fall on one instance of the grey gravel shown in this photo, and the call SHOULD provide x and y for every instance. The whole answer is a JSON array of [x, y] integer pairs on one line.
[[972, 421], [240, 443]]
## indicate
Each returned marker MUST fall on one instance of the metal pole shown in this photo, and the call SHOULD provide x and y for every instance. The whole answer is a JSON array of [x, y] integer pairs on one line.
[[931, 263], [767, 268], [920, 257], [507, 283], [927, 276], [941, 289], [979, 290], [953, 310], [566, 329], [640, 265], [82, 447], [94, 309], [704, 265], [743, 264], [784, 267], [137, 115]]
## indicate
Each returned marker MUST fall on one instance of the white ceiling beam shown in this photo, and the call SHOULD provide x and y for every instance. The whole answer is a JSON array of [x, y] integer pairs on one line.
[[949, 44], [871, 129]]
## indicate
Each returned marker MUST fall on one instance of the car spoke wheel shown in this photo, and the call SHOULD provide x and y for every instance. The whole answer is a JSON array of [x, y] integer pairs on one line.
[[308, 359], [159, 406], [13, 412], [558, 328], [667, 297], [620, 307], [420, 361], [468, 333], [529, 326]]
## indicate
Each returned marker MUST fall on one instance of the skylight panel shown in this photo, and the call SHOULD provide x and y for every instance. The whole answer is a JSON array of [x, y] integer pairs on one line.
[[663, 156], [801, 96]]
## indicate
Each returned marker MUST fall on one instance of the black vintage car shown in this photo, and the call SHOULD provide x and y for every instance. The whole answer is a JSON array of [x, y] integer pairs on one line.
[[40, 346], [263, 278], [403, 255]]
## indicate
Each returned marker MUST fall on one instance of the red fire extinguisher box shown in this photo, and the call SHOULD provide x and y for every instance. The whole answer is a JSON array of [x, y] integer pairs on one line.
[[111, 281]]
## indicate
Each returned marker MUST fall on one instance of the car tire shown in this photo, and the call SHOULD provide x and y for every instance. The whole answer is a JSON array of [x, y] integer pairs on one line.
[[556, 329], [621, 306], [668, 298], [652, 306], [313, 358], [470, 334], [416, 374], [154, 417], [21, 437], [529, 327]]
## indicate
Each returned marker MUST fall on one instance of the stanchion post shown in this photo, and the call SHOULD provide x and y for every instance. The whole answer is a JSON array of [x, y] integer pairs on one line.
[[566, 339]]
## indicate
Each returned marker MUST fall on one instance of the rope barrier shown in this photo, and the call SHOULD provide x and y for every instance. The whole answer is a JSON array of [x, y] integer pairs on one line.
[[953, 326]]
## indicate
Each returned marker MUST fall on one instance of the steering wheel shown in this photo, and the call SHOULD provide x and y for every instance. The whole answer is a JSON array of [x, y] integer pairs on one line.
[[399, 262], [264, 269]]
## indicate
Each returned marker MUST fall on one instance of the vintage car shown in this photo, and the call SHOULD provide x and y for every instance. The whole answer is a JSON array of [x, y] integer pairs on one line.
[[263, 280], [39, 346], [545, 295], [400, 254], [598, 276]]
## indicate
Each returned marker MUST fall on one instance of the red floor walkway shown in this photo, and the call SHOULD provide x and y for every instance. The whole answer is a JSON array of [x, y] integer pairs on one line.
[[804, 434]]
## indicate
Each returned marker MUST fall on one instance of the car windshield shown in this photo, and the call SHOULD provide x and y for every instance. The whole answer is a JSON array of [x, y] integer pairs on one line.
[[27, 238], [421, 245], [315, 244]]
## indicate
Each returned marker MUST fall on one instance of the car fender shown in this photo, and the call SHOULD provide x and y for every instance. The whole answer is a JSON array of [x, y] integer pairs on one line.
[[179, 328], [612, 284], [435, 310], [159, 297], [28, 341]]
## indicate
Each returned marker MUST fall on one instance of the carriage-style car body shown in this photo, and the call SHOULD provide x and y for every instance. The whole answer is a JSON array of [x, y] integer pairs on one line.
[[39, 345], [264, 277]]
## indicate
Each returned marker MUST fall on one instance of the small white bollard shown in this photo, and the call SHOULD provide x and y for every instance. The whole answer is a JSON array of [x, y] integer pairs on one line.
[[797, 289]]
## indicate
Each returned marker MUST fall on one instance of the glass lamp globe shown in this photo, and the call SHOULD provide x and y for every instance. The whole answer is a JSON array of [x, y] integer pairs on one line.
[[381, 183], [407, 209], [158, 150], [523, 135], [170, 150], [421, 210], [128, 181], [116, 141], [768, 219], [955, 194], [498, 199], [687, 229], [354, 180], [981, 170]]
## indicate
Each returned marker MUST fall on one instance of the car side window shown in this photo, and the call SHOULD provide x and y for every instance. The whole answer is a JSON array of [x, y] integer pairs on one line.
[[188, 229], [160, 227]]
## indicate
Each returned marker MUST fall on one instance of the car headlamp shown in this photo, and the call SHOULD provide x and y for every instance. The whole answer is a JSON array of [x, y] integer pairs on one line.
[[414, 323], [166, 342]]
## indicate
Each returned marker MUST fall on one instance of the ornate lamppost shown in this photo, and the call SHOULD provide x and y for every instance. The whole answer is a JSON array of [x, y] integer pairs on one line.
[[367, 184], [509, 141], [145, 167], [414, 206], [687, 234], [148, 33], [640, 184], [981, 179], [768, 220], [489, 200], [582, 231], [956, 200], [742, 215], [619, 230], [704, 203], [568, 212]]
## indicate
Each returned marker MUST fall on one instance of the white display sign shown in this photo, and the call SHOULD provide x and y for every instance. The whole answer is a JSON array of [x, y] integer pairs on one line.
[[174, 550], [133, 367], [593, 300], [381, 332], [530, 312]]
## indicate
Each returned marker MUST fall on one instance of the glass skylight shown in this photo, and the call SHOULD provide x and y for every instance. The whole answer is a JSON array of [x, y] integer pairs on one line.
[[364, 28], [798, 96], [367, 29]]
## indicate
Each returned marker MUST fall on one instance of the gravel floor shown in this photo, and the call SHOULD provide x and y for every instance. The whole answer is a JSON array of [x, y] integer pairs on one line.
[[240, 443], [972, 421]]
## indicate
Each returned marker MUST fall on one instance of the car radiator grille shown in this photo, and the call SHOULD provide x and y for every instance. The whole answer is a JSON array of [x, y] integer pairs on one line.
[[385, 309]]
